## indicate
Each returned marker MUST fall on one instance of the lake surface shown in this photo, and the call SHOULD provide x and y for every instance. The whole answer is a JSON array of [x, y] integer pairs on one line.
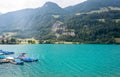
[[65, 61]]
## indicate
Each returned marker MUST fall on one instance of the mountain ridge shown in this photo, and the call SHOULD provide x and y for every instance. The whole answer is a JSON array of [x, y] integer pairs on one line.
[[93, 5], [39, 21]]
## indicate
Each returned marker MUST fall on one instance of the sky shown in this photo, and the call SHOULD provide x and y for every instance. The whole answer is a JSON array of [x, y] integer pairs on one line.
[[13, 5]]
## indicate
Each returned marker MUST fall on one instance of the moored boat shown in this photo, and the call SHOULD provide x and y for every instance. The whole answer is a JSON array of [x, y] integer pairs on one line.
[[2, 57], [24, 58], [4, 61], [6, 52], [30, 59], [17, 62]]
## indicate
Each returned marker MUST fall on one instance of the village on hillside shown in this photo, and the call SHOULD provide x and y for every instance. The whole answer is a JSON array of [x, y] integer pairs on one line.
[[7, 38]]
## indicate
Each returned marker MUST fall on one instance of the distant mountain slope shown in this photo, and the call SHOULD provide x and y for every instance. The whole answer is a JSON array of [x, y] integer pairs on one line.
[[38, 22], [95, 28], [31, 19], [38, 17], [26, 14], [90, 5]]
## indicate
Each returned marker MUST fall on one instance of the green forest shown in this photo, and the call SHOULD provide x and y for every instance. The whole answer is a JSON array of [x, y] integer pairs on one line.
[[94, 28], [90, 22]]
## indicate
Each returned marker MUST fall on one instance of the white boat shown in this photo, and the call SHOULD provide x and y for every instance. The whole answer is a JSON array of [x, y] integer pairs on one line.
[[10, 58]]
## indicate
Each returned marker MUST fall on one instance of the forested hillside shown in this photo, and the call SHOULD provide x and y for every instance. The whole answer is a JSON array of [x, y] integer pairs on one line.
[[93, 21], [95, 28]]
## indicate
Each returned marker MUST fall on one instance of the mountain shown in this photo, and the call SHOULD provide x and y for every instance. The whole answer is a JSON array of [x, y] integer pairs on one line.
[[90, 5], [31, 19], [23, 15], [50, 7], [94, 28], [69, 22]]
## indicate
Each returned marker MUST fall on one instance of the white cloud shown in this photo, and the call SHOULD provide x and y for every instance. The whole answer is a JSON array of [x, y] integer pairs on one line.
[[12, 5]]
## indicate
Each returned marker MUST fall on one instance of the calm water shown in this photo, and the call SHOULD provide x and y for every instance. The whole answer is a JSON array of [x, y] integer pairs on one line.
[[65, 61]]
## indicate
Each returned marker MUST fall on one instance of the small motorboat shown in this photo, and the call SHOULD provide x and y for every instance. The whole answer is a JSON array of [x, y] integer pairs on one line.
[[6, 52], [10, 58], [4, 61], [21, 56], [17, 62], [30, 59], [2, 57], [1, 53], [24, 58], [14, 60]]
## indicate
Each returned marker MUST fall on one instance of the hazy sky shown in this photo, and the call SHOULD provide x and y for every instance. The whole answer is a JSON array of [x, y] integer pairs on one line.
[[12, 5]]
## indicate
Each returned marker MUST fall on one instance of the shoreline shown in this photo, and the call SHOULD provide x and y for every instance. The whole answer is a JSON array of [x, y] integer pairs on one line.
[[63, 44]]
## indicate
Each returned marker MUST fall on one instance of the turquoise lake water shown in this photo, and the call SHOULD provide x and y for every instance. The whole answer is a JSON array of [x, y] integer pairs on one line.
[[65, 61]]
